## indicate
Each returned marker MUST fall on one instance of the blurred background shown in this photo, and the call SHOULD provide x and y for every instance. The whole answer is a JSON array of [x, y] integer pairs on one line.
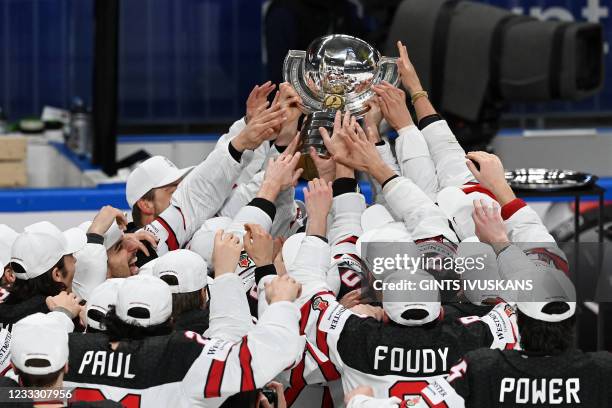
[[189, 64]]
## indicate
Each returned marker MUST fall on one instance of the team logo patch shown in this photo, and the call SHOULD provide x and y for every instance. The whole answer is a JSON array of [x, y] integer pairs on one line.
[[319, 304], [245, 261]]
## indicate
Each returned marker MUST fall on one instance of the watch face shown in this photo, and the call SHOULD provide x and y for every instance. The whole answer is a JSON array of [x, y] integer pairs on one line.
[[548, 179]]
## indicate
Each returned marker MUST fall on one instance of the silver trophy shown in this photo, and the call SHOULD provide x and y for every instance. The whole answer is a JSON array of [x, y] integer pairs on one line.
[[335, 73]]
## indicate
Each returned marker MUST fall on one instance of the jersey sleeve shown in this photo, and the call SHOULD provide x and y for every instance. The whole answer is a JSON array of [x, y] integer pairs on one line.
[[501, 322], [230, 317], [225, 368], [447, 154], [5, 356], [363, 401], [523, 223], [384, 150], [422, 217], [204, 190], [170, 230], [343, 234], [414, 159], [310, 267], [451, 391]]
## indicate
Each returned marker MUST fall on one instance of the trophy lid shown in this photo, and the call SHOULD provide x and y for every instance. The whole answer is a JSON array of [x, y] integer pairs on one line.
[[340, 64]]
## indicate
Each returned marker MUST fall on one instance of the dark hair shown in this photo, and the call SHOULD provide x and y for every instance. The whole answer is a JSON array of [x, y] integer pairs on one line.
[[183, 302], [24, 289], [546, 337], [35, 380], [117, 329], [136, 213]]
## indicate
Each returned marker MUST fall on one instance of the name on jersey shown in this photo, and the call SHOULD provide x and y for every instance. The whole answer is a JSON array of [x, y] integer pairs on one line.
[[413, 361], [333, 318], [106, 363], [540, 390]]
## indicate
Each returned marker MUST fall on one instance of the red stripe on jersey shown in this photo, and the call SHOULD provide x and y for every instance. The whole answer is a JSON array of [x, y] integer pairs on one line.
[[172, 242], [348, 240], [214, 379], [327, 401], [328, 369], [558, 261], [296, 383], [509, 209], [479, 189], [247, 383]]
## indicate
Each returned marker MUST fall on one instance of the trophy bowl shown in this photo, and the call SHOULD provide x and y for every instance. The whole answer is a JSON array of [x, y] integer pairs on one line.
[[335, 73]]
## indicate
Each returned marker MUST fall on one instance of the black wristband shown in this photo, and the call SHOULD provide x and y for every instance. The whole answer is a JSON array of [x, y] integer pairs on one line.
[[344, 185], [93, 238], [266, 206], [428, 120], [388, 180], [280, 149], [321, 237], [381, 143], [262, 271], [236, 155]]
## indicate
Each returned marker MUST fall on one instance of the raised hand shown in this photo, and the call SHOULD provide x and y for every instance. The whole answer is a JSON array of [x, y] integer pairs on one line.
[[392, 103], [264, 126], [318, 197], [489, 224], [370, 311], [282, 288], [257, 98], [491, 175], [353, 298], [292, 103], [408, 74], [372, 121], [258, 244], [69, 302], [226, 253], [104, 219], [326, 166]]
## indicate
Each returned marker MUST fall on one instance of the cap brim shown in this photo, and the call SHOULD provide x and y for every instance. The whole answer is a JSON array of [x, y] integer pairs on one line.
[[173, 176], [75, 240]]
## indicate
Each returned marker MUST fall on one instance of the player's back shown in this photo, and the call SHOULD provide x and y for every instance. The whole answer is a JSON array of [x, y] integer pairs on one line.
[[138, 373], [508, 378], [399, 360]]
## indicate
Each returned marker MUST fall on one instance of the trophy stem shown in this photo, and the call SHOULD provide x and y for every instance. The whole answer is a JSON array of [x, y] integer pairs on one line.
[[311, 137]]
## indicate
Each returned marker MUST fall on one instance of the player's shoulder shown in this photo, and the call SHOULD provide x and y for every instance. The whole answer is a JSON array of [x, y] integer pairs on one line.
[[484, 359], [602, 359]]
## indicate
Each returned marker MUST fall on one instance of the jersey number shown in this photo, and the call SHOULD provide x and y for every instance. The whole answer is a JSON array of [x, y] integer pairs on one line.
[[410, 391], [93, 394]]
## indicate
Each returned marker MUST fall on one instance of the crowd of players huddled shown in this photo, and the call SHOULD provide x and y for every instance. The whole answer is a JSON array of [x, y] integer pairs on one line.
[[224, 290]]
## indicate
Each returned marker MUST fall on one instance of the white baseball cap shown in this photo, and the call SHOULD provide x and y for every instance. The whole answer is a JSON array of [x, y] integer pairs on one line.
[[548, 288], [39, 344], [411, 307], [185, 268], [377, 216], [7, 237], [144, 300], [203, 241], [36, 253], [111, 236], [103, 296], [73, 239], [389, 233], [155, 172], [459, 207]]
